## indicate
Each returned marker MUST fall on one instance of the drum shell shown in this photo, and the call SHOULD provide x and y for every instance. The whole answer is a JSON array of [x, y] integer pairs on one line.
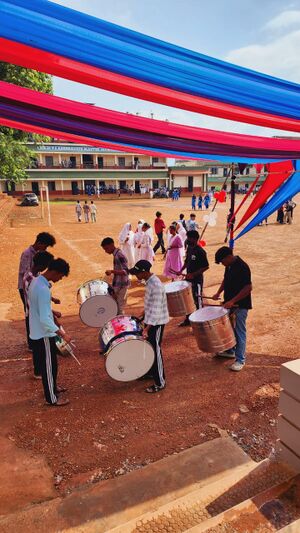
[[133, 365], [94, 287], [119, 326], [181, 302], [215, 335], [96, 303]]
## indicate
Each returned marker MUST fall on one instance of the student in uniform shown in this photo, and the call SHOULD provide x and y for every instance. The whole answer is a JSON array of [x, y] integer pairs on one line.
[[93, 210], [86, 211], [78, 211], [43, 329]]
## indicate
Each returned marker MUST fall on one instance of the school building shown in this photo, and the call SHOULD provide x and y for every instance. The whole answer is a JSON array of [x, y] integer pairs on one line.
[[69, 169]]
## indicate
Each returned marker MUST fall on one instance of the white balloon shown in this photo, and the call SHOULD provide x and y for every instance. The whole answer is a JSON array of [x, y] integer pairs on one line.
[[212, 222], [206, 218], [213, 215]]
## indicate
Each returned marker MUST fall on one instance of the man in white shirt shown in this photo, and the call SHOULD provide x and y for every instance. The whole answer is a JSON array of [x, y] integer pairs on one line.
[[191, 224], [78, 211], [156, 316], [93, 209]]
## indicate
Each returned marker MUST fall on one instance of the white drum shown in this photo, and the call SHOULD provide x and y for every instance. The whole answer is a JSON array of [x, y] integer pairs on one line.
[[180, 298], [212, 329], [97, 306], [129, 358]]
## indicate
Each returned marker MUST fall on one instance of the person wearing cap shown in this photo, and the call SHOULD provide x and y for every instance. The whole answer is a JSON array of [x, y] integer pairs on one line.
[[237, 288], [156, 316], [159, 227]]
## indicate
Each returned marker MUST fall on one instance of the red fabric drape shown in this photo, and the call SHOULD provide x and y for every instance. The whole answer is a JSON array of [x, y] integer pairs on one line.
[[277, 174], [34, 58]]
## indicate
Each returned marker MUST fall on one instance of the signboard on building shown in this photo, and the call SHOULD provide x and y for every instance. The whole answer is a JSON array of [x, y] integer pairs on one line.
[[72, 149]]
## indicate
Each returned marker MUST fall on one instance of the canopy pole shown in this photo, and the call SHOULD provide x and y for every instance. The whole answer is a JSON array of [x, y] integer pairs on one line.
[[232, 208]]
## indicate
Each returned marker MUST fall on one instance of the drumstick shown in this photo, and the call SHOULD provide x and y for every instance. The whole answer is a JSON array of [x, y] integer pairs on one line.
[[74, 357], [210, 297]]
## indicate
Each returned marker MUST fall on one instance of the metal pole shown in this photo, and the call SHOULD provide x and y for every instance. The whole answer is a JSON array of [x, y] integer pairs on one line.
[[232, 207], [42, 203], [48, 205], [214, 206]]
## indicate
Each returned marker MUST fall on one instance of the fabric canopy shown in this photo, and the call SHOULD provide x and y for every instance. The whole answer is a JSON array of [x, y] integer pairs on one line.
[[286, 191], [85, 40], [277, 174], [43, 110]]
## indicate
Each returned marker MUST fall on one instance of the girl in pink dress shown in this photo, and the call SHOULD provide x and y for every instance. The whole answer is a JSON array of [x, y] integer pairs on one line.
[[173, 256]]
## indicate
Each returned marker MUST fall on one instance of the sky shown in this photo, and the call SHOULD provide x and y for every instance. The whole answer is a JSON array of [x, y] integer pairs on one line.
[[263, 35]]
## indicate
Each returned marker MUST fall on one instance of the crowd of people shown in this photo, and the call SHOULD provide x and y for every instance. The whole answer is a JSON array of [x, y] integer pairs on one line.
[[184, 258]]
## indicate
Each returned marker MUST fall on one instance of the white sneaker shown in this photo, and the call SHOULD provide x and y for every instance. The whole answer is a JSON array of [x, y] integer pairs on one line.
[[236, 367], [225, 354]]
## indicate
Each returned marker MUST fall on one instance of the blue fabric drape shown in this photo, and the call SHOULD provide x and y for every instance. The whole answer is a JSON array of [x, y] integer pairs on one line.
[[72, 34], [290, 187]]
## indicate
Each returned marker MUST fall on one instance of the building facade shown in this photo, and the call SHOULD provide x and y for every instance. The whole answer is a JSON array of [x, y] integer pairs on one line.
[[71, 169]]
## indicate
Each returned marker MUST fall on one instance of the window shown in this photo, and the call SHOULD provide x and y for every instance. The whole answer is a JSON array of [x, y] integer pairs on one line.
[[155, 184], [51, 186], [121, 162], [49, 161], [190, 183], [225, 172], [248, 171], [155, 160], [214, 170]]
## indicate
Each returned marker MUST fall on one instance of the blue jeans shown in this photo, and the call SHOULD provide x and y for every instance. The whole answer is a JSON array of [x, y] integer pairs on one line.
[[240, 334]]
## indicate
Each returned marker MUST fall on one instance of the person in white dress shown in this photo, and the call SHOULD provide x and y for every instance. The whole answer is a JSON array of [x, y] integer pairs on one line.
[[137, 238], [182, 234], [126, 239], [145, 244]]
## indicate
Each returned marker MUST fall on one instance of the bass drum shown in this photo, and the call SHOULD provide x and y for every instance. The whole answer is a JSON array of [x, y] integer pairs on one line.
[[97, 305], [180, 298], [128, 358], [119, 326], [212, 329]]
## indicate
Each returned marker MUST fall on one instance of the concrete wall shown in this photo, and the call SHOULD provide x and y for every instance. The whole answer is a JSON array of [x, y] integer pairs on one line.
[[288, 445]]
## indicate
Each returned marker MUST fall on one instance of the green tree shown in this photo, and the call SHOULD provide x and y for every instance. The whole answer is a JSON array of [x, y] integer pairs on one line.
[[14, 155]]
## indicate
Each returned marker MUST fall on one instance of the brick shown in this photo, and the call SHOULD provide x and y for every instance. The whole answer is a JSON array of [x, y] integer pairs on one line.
[[285, 455], [290, 378], [289, 408], [289, 435]]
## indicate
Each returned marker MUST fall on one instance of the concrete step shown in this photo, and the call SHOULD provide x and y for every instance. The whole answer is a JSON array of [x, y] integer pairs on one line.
[[199, 506], [268, 512], [294, 527], [120, 500]]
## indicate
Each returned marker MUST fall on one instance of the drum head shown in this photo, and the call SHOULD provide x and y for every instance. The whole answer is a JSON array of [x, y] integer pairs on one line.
[[176, 286], [129, 359], [97, 310], [208, 313]]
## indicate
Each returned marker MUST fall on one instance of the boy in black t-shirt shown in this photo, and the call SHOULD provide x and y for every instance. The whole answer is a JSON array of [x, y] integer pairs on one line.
[[237, 289], [195, 264]]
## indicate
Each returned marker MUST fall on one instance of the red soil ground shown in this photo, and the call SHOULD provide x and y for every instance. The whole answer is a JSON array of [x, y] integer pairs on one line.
[[109, 427]]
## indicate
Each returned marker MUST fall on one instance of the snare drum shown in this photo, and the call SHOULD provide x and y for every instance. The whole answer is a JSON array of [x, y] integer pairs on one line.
[[63, 347], [127, 355], [180, 298], [212, 329], [119, 326], [97, 306]]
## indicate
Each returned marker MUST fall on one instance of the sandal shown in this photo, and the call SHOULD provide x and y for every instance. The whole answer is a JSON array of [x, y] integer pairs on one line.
[[154, 388], [61, 403], [61, 389]]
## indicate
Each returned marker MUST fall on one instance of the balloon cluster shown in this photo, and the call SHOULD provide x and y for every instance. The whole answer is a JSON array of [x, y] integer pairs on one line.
[[202, 243], [220, 196], [211, 218]]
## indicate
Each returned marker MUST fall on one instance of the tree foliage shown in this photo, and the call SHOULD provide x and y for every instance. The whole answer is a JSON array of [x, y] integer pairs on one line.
[[14, 156]]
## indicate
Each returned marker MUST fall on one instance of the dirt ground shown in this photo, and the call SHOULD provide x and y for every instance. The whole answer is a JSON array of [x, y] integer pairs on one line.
[[110, 428]]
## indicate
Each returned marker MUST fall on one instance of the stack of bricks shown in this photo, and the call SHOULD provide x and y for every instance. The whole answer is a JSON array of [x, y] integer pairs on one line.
[[289, 414]]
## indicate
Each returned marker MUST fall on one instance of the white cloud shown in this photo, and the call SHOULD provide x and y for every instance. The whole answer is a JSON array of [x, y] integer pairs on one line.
[[279, 57], [284, 20]]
